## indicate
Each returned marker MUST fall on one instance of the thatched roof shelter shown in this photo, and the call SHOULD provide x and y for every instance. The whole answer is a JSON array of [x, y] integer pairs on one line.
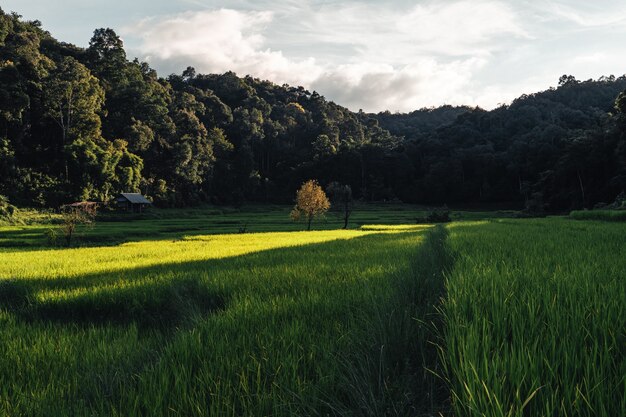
[[132, 202]]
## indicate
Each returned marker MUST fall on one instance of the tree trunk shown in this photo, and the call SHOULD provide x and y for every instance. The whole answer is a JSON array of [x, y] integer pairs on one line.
[[310, 219], [68, 237], [64, 129], [65, 162], [582, 188], [363, 174]]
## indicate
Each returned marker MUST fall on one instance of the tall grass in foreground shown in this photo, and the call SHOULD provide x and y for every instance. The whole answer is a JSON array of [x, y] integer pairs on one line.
[[393, 370], [535, 319], [222, 325]]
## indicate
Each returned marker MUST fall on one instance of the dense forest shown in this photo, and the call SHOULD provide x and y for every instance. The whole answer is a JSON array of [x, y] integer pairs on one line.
[[86, 123]]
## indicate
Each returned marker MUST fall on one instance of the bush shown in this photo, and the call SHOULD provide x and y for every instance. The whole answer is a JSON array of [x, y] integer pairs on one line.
[[439, 215], [619, 203], [75, 216], [534, 208], [52, 236], [525, 214], [604, 215], [7, 210]]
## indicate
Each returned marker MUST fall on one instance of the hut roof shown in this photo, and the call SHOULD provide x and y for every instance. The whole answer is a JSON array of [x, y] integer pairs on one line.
[[135, 198]]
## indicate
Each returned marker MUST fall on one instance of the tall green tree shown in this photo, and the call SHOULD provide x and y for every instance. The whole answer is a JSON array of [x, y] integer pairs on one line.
[[72, 99]]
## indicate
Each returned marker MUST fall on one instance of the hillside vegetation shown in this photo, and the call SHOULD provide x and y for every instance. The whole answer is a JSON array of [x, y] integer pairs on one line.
[[86, 123]]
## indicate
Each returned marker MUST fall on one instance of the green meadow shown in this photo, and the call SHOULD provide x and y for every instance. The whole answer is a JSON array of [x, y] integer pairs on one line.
[[238, 312]]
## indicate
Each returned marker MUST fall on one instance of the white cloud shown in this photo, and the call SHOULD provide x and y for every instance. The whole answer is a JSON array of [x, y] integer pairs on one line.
[[591, 58], [218, 41], [593, 14], [373, 87], [396, 59], [450, 28], [459, 28], [370, 54]]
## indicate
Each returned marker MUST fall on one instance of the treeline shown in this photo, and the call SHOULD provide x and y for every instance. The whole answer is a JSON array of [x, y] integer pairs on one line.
[[86, 123], [81, 124], [559, 149]]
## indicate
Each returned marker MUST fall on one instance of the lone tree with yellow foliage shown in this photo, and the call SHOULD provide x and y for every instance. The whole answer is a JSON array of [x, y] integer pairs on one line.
[[311, 201]]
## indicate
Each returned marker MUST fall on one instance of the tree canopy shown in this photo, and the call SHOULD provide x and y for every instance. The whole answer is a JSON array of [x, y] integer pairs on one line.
[[85, 123], [311, 202]]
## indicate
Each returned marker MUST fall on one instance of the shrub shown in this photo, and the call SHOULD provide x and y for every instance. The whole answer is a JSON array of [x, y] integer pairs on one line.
[[439, 215], [604, 215], [52, 236], [7, 210], [619, 203], [73, 216]]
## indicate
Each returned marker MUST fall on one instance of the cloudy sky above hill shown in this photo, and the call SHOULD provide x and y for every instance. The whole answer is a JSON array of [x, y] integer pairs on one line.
[[395, 55]]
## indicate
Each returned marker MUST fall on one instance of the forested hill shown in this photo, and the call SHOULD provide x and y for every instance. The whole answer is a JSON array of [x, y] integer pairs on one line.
[[423, 121], [560, 148], [86, 123]]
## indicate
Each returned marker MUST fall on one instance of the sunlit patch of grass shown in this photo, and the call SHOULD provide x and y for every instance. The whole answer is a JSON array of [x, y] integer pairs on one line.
[[394, 227], [468, 224], [239, 324], [66, 263]]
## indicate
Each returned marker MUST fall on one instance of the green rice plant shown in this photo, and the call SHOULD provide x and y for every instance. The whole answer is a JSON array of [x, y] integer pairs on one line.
[[394, 369], [222, 324], [535, 319]]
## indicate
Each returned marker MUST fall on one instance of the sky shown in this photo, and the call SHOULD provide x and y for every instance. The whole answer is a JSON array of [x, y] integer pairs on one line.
[[395, 55]]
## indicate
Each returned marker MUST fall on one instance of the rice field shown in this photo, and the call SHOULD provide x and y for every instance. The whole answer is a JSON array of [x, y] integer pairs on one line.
[[180, 314], [535, 318], [249, 324]]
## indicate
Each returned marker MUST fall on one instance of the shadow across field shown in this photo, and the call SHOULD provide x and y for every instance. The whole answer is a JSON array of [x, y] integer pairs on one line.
[[330, 328], [159, 296], [106, 234], [149, 305], [395, 369], [113, 230]]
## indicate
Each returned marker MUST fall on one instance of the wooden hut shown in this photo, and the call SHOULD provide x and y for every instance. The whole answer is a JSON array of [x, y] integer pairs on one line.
[[134, 202]]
